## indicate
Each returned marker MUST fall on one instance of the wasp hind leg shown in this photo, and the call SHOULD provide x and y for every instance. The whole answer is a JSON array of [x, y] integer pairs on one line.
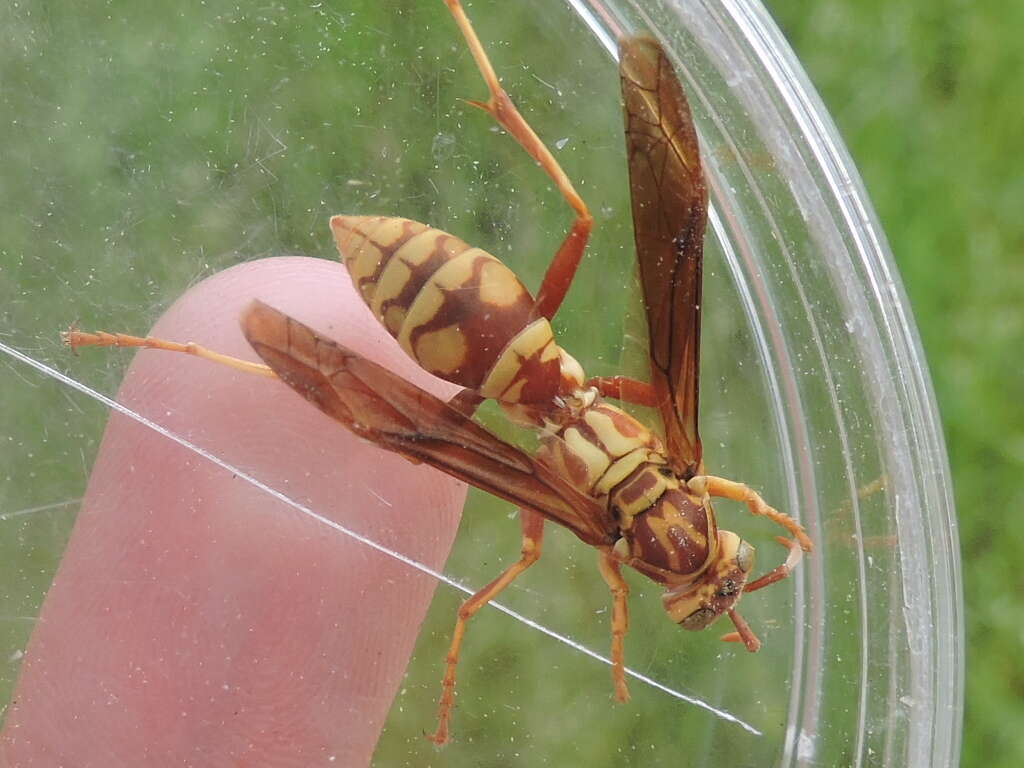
[[563, 267], [533, 536], [75, 339]]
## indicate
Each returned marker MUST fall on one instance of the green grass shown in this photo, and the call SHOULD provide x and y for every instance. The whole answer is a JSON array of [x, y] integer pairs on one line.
[[149, 145], [928, 98]]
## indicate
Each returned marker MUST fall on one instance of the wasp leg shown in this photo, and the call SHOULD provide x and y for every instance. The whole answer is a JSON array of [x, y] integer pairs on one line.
[[743, 634], [612, 573], [780, 571], [626, 389], [75, 339], [563, 267], [533, 536], [728, 489]]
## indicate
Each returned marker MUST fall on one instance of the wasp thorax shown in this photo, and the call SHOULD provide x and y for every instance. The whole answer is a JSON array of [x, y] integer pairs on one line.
[[697, 605], [672, 536]]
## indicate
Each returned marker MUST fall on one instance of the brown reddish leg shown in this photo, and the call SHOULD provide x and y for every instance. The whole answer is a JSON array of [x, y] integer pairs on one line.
[[744, 633], [780, 571], [626, 389], [466, 401], [563, 267], [76, 339], [612, 574], [533, 536], [728, 489]]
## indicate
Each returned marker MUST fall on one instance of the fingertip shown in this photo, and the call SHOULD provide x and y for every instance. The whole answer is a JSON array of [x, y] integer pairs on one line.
[[229, 570]]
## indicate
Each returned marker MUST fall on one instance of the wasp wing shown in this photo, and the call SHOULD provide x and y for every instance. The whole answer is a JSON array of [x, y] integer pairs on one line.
[[388, 410], [669, 217]]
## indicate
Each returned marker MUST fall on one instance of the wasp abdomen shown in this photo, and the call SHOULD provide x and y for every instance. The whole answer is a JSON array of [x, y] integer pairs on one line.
[[457, 310]]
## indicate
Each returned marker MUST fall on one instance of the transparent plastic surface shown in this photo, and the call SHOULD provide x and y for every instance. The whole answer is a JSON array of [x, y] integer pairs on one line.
[[168, 144]]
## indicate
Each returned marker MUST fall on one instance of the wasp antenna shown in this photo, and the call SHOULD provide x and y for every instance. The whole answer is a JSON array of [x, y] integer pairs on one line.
[[745, 633]]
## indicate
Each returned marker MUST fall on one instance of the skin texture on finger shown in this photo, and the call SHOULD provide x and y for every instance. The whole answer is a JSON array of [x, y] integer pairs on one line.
[[196, 620]]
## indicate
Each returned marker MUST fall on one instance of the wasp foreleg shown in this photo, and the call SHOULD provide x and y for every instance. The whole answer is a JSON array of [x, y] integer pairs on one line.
[[728, 489], [744, 634]]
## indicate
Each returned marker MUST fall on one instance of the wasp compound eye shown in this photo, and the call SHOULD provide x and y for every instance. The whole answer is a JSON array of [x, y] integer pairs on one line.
[[728, 588]]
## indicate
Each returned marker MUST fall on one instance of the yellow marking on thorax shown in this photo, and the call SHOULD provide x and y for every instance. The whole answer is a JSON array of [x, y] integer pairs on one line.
[[661, 523], [681, 521], [616, 443], [657, 484], [660, 527], [595, 459], [621, 469]]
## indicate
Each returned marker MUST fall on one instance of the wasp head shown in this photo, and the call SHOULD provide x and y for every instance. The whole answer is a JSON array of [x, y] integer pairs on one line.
[[698, 604]]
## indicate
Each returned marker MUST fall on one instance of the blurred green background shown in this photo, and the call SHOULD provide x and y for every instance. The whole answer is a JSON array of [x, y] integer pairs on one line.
[[929, 97], [148, 145]]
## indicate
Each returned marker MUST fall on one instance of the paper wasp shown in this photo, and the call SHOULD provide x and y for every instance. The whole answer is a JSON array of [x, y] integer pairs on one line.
[[464, 316]]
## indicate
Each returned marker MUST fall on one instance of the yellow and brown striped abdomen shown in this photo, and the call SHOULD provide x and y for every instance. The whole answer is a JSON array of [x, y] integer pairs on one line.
[[457, 310]]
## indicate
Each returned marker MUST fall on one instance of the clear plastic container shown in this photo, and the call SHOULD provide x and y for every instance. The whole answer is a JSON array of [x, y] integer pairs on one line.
[[134, 172]]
